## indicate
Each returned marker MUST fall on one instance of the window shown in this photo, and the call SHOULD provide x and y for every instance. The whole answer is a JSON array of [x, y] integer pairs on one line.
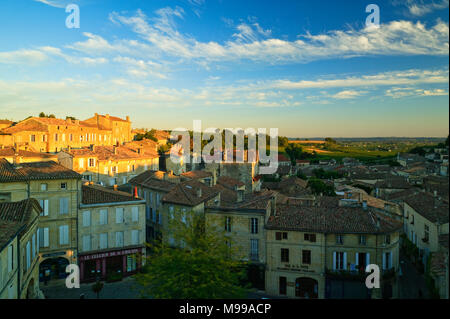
[[306, 257], [310, 237], [64, 205], [43, 237], [44, 205], [134, 214], [10, 258], [104, 241], [254, 225], [119, 215], [283, 285], [86, 218], [32, 138], [56, 137], [340, 239], [91, 162], [63, 185], [28, 256], [387, 239], [86, 242], [284, 255], [426, 234], [362, 239], [254, 249], [387, 260], [81, 163], [103, 217], [64, 235], [339, 260], [412, 219], [134, 237], [281, 235], [44, 187], [228, 224], [119, 239]]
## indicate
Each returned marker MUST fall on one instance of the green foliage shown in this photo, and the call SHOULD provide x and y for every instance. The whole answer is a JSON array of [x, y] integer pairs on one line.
[[418, 150], [150, 135], [330, 140], [203, 265], [319, 187], [42, 114], [97, 287], [302, 176], [323, 174]]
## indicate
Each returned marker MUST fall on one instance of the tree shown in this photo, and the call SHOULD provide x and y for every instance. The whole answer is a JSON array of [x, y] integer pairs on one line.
[[318, 187], [330, 140], [294, 151], [203, 264], [97, 287], [42, 114]]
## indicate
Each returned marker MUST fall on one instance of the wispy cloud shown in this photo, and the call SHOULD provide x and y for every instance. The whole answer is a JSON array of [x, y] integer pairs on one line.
[[420, 8], [57, 3], [253, 42]]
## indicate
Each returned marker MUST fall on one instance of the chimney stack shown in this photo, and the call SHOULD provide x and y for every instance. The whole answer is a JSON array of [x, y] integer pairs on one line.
[[199, 192], [135, 192], [115, 187]]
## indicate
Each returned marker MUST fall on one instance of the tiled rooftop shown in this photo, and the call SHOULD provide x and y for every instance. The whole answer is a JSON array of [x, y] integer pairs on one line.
[[34, 171], [95, 194]]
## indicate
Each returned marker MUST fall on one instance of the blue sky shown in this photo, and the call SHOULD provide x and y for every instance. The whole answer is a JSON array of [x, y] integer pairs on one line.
[[309, 68]]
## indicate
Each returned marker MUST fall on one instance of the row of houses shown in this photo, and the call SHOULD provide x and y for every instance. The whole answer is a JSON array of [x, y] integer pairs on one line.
[[77, 222]]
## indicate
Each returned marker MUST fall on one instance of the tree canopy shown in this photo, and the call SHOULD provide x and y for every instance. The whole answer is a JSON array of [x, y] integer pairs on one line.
[[204, 264]]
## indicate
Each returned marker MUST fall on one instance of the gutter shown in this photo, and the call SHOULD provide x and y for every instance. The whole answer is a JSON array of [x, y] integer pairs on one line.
[[112, 204]]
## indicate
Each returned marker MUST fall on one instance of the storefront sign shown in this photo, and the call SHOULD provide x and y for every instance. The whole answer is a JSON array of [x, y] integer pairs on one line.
[[109, 254]]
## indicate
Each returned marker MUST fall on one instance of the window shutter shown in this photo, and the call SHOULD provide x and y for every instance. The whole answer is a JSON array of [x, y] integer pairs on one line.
[[367, 259], [33, 246], [345, 261], [38, 240], [10, 258], [135, 214], [334, 260], [46, 237], [86, 218], [390, 260], [46, 207], [384, 260], [28, 254], [61, 235], [119, 215], [357, 259]]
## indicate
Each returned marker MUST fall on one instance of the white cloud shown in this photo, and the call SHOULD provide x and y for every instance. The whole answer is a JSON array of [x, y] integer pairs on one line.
[[251, 41], [420, 8], [23, 57], [347, 94], [401, 92], [57, 3]]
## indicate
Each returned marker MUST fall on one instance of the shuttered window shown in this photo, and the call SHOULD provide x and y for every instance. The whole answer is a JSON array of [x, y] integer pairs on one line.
[[119, 215], [103, 217], [86, 243], [135, 214], [104, 241], [86, 218], [64, 205], [134, 237], [119, 239], [64, 235], [44, 205]]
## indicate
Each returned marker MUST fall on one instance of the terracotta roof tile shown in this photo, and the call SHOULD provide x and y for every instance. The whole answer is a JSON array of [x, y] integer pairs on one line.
[[190, 193], [34, 171], [95, 194], [429, 207]]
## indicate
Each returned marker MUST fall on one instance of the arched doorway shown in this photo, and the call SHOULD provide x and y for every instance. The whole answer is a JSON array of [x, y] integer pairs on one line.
[[30, 290], [306, 288], [53, 268]]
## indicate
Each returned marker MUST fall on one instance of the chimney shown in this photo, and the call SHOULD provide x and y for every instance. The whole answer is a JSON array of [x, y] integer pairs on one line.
[[135, 192], [107, 116], [92, 147], [199, 192], [140, 150], [77, 122], [115, 150], [128, 118], [115, 187]]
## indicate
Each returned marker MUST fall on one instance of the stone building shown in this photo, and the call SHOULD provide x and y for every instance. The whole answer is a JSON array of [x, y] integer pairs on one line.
[[51, 135], [152, 186], [110, 165], [56, 189], [19, 249], [111, 233], [14, 155], [313, 251]]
